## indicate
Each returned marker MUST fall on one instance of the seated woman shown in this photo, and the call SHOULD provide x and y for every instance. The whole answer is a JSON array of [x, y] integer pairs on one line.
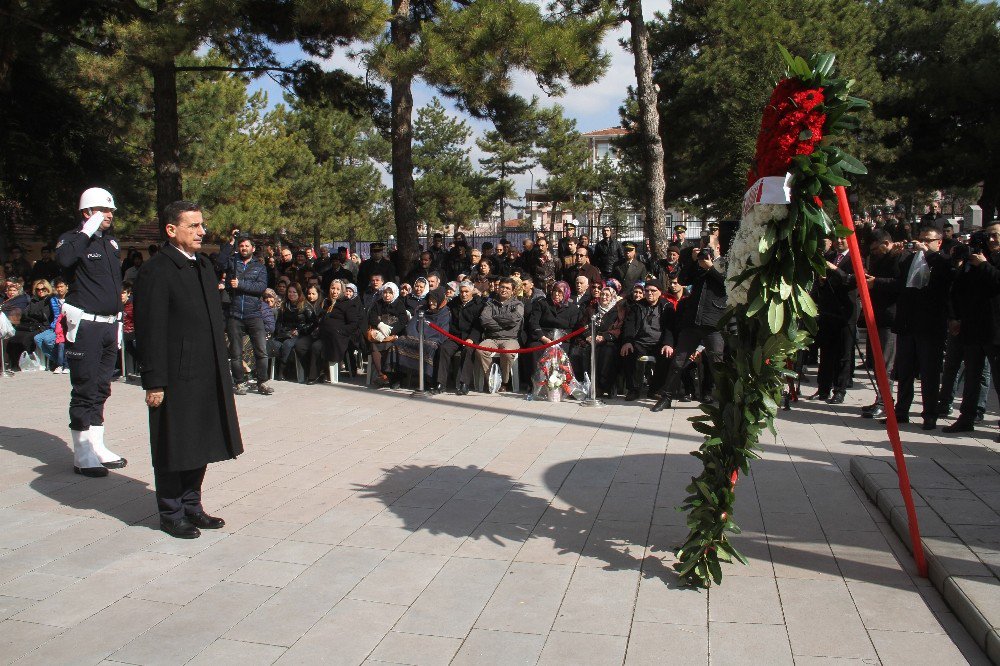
[[483, 277], [45, 340], [339, 324], [314, 304], [295, 322], [610, 312], [36, 318], [437, 313], [552, 318], [417, 299], [386, 322]]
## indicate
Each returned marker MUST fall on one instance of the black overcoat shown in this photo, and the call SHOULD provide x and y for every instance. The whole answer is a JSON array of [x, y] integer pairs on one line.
[[178, 328], [339, 327]]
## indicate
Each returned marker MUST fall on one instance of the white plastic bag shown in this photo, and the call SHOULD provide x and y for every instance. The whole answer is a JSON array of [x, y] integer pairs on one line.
[[6, 328], [495, 379], [30, 362]]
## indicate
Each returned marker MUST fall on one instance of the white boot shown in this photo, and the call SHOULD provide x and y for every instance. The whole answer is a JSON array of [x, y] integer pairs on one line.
[[85, 461], [107, 457]]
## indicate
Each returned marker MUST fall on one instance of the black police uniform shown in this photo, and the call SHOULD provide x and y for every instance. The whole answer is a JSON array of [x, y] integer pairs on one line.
[[96, 288]]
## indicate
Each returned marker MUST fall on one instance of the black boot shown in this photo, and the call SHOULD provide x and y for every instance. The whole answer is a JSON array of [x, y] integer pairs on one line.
[[662, 403]]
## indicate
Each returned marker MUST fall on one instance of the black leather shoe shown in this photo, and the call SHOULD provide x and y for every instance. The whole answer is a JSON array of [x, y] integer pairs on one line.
[[929, 425], [463, 389], [685, 398], [205, 521], [180, 529], [959, 426], [93, 472], [820, 395], [980, 418], [899, 419], [944, 410], [836, 399], [877, 413], [661, 404], [631, 395], [116, 464]]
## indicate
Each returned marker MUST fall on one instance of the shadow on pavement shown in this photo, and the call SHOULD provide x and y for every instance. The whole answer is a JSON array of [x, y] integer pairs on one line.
[[116, 496]]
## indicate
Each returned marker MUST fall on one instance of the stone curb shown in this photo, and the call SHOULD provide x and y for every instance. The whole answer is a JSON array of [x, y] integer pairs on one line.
[[953, 568]]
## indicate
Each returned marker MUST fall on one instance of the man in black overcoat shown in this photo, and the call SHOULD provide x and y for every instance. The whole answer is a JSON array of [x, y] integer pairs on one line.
[[185, 371]]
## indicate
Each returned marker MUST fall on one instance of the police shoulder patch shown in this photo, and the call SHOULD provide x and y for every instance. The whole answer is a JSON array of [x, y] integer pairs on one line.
[[114, 243]]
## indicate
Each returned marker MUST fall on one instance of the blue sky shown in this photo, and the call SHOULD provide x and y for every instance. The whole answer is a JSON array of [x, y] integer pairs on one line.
[[594, 107]]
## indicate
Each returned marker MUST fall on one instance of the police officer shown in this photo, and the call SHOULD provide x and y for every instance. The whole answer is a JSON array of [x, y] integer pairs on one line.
[[93, 328]]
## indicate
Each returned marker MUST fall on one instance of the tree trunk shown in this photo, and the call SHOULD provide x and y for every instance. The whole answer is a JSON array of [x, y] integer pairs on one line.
[[655, 218], [166, 144], [403, 198]]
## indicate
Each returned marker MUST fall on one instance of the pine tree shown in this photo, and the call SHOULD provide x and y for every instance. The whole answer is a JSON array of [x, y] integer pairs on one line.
[[505, 157], [563, 153]]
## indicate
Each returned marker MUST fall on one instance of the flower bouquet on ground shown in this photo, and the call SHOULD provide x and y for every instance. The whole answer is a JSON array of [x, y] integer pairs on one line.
[[554, 378], [774, 259]]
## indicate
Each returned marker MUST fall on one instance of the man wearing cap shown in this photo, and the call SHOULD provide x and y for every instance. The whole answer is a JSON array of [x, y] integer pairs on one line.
[[93, 328], [377, 263], [630, 270], [680, 235], [648, 331]]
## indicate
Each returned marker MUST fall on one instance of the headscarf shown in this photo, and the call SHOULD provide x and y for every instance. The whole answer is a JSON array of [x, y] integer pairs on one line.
[[564, 288], [614, 284], [601, 310], [427, 284], [391, 286], [453, 286], [436, 296], [353, 287]]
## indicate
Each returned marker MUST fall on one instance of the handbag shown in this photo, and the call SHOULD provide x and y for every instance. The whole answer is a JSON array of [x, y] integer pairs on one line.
[[30, 362], [6, 328]]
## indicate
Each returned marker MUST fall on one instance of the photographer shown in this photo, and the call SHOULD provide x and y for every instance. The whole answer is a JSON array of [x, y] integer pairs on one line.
[[882, 276], [975, 302], [699, 319], [245, 282], [921, 324]]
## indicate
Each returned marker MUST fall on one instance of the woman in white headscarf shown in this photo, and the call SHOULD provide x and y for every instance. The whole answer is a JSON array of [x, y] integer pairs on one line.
[[609, 310], [386, 321]]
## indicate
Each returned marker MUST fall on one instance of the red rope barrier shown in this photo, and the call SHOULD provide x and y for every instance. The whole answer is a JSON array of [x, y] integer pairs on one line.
[[506, 351]]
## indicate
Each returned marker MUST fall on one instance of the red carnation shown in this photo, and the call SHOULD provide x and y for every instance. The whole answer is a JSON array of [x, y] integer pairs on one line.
[[791, 125]]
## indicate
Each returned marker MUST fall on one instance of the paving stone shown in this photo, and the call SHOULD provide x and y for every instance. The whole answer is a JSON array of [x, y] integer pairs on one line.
[[20, 638], [837, 632], [598, 602], [734, 643], [236, 653], [653, 643], [904, 648], [527, 599], [583, 648], [451, 603], [500, 648], [399, 578], [346, 635], [415, 649], [747, 600]]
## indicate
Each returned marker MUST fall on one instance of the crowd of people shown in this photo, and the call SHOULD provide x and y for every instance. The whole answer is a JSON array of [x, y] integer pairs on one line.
[[936, 298]]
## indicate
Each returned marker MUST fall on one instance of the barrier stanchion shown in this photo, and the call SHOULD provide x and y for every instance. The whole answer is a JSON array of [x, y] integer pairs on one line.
[[592, 400], [3, 361], [421, 321]]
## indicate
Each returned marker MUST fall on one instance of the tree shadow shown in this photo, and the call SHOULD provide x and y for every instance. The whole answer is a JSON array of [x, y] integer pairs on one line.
[[116, 496], [614, 513]]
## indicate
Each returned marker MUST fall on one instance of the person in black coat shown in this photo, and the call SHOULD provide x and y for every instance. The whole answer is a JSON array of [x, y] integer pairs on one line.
[[975, 303], [610, 311], [882, 275], [387, 320], [648, 331], [921, 324], [296, 322], [466, 309], [836, 303], [339, 323], [185, 372], [552, 318]]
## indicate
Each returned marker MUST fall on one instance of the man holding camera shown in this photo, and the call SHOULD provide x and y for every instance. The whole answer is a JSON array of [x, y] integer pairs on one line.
[[975, 301], [245, 282], [882, 276]]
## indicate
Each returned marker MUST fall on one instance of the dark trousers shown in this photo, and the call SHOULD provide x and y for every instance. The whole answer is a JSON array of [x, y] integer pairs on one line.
[[633, 383], [834, 341], [687, 342], [953, 372], [91, 360], [254, 328], [976, 357], [888, 341], [446, 353], [918, 356], [178, 494]]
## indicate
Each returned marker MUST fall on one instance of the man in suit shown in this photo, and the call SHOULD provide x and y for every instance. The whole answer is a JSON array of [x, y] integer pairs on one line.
[[185, 371]]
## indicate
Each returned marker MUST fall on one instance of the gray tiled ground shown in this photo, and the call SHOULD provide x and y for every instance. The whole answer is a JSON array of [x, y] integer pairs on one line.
[[371, 527]]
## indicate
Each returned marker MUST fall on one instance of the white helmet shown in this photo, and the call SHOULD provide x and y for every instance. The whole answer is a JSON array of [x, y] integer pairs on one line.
[[96, 197]]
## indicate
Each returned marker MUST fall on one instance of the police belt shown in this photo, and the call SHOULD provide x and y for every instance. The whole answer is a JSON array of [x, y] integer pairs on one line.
[[104, 319]]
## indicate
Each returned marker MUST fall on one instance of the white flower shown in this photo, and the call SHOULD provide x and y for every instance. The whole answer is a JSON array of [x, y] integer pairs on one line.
[[745, 249]]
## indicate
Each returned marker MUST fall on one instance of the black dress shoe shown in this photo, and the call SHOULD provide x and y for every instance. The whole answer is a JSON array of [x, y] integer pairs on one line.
[[820, 395], [685, 398], [205, 521], [661, 404], [116, 464], [980, 418], [463, 389], [877, 412], [631, 395], [899, 419], [959, 426], [180, 529], [93, 472], [836, 399], [944, 410], [928, 425]]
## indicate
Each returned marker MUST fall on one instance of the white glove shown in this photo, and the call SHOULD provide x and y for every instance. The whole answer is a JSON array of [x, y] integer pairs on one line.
[[385, 328], [379, 336], [93, 223]]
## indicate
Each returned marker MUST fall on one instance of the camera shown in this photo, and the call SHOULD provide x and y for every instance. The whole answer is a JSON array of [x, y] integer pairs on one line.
[[979, 243], [706, 253], [909, 245]]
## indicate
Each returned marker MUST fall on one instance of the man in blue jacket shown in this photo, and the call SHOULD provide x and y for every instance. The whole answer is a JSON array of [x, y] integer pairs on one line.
[[245, 281]]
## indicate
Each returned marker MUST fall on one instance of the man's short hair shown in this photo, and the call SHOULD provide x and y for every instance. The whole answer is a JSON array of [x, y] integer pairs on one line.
[[929, 227], [507, 281], [173, 212], [584, 248], [880, 236], [59, 281]]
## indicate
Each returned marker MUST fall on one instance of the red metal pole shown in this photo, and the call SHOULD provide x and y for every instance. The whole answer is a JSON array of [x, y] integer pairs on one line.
[[892, 426]]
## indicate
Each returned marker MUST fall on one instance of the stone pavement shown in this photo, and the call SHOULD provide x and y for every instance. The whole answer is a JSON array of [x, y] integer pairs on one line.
[[371, 527]]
